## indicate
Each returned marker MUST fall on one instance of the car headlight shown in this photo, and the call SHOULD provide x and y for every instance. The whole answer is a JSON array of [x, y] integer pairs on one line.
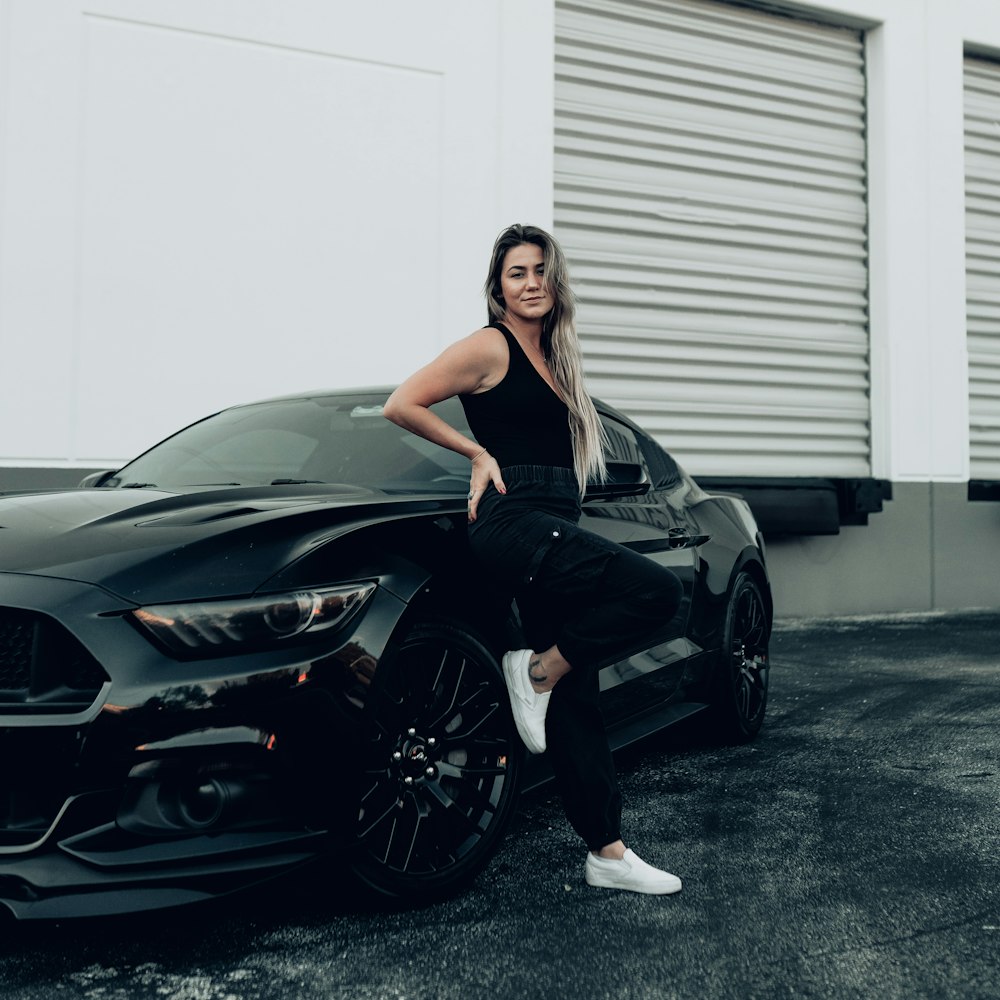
[[211, 626]]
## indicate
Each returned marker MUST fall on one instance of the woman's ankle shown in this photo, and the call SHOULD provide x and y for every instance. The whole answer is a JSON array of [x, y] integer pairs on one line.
[[614, 851], [538, 673], [546, 669]]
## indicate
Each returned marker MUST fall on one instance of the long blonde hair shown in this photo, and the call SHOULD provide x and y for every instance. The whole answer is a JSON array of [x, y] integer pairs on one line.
[[560, 344]]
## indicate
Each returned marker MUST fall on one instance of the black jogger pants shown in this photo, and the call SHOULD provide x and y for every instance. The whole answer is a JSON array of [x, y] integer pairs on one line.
[[592, 598]]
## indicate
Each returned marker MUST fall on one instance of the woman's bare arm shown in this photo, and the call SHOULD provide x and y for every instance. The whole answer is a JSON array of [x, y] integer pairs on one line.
[[477, 362]]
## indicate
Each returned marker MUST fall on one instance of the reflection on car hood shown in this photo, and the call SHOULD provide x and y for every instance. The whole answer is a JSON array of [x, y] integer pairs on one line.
[[148, 545]]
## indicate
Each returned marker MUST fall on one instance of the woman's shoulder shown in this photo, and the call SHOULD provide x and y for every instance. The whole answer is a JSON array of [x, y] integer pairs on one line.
[[486, 352], [487, 340]]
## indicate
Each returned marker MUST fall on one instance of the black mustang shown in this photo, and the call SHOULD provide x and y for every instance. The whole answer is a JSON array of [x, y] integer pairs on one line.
[[265, 640]]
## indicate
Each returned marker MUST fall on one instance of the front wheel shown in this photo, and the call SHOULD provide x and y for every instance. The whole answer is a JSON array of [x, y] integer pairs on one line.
[[739, 695], [441, 775]]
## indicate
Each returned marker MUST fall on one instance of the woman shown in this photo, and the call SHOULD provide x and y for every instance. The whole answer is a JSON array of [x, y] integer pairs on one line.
[[582, 598]]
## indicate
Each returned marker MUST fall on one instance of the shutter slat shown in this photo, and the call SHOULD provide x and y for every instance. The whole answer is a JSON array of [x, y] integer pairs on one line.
[[711, 198], [982, 263]]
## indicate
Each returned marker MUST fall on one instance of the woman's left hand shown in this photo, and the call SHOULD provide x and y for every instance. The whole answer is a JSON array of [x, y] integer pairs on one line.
[[485, 470]]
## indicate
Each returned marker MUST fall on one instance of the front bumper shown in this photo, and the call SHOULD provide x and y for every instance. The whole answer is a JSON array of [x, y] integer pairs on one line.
[[176, 781]]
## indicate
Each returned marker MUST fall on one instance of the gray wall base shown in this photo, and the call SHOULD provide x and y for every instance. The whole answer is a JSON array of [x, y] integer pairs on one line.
[[41, 479], [929, 549]]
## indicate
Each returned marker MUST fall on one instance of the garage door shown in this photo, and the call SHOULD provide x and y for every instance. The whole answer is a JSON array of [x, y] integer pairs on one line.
[[982, 263], [710, 193]]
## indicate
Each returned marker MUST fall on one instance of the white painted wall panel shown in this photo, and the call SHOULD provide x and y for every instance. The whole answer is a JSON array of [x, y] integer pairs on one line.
[[38, 249], [206, 202], [236, 209]]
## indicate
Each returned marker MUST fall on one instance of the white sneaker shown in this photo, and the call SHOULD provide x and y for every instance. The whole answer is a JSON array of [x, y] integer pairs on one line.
[[528, 706], [631, 872]]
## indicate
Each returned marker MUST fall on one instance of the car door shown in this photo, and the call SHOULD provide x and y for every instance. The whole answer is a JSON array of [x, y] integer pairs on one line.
[[642, 507]]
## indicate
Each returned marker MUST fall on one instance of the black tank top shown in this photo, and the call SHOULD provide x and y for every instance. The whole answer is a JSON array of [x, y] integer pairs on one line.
[[520, 421]]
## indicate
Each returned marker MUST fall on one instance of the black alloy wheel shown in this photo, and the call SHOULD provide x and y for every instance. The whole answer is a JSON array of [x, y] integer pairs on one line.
[[740, 695], [439, 785]]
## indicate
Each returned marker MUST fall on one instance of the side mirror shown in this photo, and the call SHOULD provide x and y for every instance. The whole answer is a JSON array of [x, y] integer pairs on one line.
[[96, 478], [625, 479], [626, 474]]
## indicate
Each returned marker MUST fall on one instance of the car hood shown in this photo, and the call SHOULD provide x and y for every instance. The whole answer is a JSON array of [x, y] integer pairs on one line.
[[148, 545]]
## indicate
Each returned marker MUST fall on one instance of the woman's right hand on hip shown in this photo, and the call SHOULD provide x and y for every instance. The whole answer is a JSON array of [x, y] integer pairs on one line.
[[485, 470]]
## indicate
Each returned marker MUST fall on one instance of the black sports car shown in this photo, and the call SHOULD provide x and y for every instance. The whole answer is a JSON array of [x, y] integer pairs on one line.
[[265, 640]]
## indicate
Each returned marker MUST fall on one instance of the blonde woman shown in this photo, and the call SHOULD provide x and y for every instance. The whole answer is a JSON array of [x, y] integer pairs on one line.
[[582, 598]]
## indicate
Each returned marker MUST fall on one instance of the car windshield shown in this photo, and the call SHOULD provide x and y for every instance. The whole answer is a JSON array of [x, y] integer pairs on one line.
[[316, 439]]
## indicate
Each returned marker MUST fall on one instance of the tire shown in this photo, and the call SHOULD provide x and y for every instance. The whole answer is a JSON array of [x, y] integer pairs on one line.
[[442, 766], [739, 692]]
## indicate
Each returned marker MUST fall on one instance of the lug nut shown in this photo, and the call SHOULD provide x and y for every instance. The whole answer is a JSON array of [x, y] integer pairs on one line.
[[407, 780], [431, 741], [397, 755], [430, 772], [411, 732]]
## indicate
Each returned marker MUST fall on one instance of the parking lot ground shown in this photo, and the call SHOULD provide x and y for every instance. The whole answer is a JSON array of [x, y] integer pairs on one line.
[[851, 851]]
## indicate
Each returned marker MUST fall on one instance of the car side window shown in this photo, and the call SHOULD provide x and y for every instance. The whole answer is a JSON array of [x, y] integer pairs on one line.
[[623, 446], [664, 471], [627, 445]]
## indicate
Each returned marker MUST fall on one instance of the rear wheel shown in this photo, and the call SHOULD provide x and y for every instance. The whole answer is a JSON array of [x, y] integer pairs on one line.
[[739, 697], [440, 779]]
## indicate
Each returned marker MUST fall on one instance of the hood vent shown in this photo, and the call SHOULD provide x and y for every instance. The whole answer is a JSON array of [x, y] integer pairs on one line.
[[221, 515]]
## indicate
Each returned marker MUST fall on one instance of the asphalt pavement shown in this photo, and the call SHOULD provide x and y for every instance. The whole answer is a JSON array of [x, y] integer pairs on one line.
[[850, 851]]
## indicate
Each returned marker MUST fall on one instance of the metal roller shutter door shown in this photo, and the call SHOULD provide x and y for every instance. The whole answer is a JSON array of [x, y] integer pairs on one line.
[[710, 194], [982, 263]]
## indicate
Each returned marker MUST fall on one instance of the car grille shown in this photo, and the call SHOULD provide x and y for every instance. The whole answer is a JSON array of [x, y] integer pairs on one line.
[[43, 668]]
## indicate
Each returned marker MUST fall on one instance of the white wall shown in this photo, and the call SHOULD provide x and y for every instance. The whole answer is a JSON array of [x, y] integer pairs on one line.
[[209, 201]]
